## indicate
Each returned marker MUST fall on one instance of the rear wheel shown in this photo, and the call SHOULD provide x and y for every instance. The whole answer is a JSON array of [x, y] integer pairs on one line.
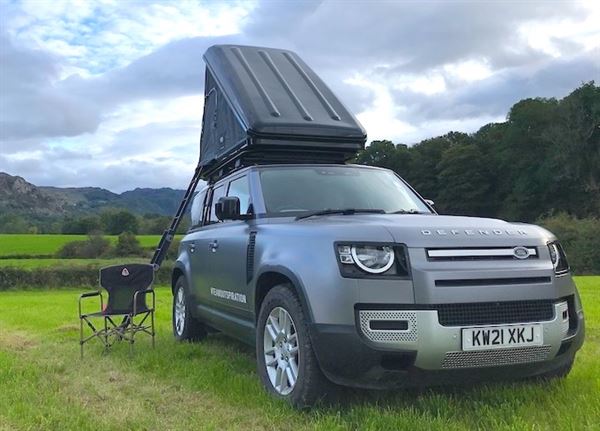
[[286, 361], [185, 326]]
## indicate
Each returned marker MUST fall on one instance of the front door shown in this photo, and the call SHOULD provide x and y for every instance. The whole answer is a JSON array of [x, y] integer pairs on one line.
[[227, 260]]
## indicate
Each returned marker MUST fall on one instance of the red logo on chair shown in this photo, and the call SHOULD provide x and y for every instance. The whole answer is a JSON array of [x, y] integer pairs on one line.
[[125, 272]]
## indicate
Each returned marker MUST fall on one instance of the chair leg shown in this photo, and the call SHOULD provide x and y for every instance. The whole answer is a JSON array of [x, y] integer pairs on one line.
[[81, 337], [153, 332], [132, 326], [105, 334]]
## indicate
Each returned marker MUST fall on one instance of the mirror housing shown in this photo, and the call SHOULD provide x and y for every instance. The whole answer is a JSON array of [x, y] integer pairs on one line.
[[228, 208], [430, 203]]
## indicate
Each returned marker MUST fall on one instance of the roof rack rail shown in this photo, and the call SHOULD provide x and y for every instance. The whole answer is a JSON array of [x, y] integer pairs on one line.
[[256, 157]]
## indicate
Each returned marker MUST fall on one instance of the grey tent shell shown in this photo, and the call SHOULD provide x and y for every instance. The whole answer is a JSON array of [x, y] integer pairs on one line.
[[268, 101]]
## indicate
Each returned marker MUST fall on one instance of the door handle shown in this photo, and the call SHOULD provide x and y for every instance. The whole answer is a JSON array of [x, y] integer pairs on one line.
[[213, 245], [192, 246]]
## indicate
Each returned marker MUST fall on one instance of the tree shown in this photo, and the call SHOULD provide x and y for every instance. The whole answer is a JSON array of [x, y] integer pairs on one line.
[[82, 225], [128, 245], [464, 181], [115, 222]]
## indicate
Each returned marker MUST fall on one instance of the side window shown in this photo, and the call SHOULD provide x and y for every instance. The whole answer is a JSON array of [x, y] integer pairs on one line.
[[198, 208], [240, 188], [217, 194]]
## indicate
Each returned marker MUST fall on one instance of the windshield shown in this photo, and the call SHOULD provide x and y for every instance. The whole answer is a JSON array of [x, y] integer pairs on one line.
[[294, 190]]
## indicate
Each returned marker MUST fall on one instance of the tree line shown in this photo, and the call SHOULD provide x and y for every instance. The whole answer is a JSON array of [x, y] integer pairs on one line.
[[109, 222], [544, 159]]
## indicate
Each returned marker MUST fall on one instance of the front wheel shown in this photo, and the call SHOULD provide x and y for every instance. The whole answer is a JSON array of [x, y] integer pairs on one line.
[[286, 361], [185, 326]]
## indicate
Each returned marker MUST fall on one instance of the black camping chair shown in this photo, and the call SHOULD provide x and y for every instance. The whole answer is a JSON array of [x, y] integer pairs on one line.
[[127, 287]]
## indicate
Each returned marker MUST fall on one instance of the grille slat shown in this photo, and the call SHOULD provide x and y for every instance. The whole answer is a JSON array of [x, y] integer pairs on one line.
[[491, 358], [480, 253], [491, 281], [490, 313]]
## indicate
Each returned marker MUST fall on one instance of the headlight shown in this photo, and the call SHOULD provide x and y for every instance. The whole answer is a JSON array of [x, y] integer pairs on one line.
[[558, 257], [373, 259], [364, 260]]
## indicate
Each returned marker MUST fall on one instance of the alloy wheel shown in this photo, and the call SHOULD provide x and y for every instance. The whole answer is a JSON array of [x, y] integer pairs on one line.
[[180, 311], [281, 350]]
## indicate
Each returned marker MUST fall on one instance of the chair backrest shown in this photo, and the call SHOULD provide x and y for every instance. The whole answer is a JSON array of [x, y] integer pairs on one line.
[[122, 282]]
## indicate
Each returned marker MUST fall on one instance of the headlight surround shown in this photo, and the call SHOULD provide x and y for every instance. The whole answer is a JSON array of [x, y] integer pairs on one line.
[[372, 260], [558, 257]]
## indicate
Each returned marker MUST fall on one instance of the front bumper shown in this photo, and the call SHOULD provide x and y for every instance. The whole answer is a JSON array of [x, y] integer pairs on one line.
[[427, 353]]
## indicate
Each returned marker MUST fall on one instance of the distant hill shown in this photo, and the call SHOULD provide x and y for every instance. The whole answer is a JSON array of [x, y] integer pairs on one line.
[[17, 196]]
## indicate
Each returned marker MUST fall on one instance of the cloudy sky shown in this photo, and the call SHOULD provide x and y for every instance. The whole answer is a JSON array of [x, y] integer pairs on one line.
[[109, 93]]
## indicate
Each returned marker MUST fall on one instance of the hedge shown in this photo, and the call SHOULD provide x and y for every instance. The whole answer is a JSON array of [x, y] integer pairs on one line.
[[18, 278]]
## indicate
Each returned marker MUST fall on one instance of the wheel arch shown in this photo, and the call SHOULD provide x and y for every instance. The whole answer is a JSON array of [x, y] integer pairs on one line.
[[178, 271], [274, 276]]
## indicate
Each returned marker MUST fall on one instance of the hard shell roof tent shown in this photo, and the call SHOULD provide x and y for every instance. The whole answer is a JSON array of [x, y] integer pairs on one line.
[[265, 105]]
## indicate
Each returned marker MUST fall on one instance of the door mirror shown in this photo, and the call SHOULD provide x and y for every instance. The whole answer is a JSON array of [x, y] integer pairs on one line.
[[228, 208], [430, 203]]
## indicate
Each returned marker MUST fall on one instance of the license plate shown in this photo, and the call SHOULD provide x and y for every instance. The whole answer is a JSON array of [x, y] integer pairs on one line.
[[501, 337]]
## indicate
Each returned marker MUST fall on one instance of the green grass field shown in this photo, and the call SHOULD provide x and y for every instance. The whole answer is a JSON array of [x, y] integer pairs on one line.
[[213, 384], [38, 245]]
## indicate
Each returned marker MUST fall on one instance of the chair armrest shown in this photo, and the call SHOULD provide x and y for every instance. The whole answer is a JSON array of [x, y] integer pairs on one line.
[[145, 291], [88, 295]]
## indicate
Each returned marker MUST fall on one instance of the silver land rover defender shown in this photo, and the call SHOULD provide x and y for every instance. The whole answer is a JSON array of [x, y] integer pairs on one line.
[[343, 273]]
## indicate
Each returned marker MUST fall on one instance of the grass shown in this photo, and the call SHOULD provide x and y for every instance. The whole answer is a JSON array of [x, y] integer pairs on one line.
[[213, 384], [47, 245]]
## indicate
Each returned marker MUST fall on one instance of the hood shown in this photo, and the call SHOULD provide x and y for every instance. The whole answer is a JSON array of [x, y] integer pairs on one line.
[[424, 230]]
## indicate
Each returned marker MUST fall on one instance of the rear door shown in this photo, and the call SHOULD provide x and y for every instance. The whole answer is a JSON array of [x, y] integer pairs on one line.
[[197, 244]]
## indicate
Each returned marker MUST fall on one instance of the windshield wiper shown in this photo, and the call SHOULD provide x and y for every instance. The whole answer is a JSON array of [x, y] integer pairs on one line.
[[411, 211], [346, 211]]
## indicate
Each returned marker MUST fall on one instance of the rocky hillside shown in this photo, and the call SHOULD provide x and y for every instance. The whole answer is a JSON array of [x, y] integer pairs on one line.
[[17, 196]]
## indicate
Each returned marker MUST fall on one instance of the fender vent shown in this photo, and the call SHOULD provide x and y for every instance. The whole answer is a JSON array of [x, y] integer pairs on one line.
[[250, 256]]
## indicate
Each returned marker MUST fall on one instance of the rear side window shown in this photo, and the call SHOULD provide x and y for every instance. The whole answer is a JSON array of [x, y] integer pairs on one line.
[[217, 194], [197, 209], [241, 189]]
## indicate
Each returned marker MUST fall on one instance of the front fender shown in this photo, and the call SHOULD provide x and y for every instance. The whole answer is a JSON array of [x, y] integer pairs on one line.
[[182, 265], [294, 278]]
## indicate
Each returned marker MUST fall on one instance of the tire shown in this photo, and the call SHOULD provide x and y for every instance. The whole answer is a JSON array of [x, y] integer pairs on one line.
[[185, 327], [310, 384]]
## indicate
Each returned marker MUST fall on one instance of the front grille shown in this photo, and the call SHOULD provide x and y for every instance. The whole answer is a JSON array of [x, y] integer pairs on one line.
[[491, 358], [489, 313]]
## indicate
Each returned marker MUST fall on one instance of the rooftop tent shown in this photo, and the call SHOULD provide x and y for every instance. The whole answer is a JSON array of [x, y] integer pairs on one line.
[[268, 103]]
